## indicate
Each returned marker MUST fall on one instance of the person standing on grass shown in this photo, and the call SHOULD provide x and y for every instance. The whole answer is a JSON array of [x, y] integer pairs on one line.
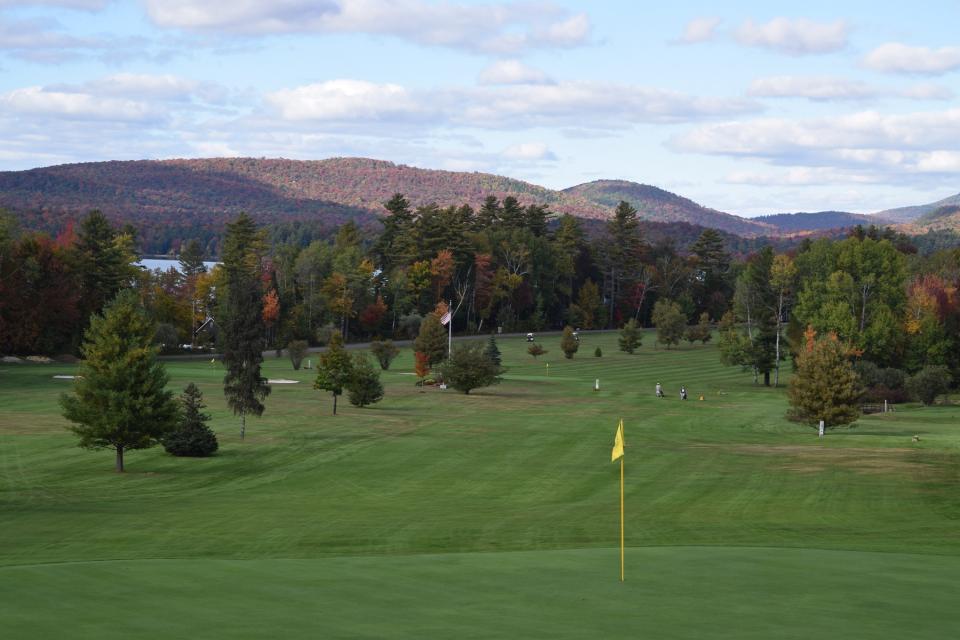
[[683, 393], [659, 391]]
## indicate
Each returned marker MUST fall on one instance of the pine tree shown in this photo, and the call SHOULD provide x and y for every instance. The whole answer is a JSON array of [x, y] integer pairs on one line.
[[432, 339], [119, 399], [192, 437], [630, 337], [364, 386], [492, 351], [191, 259], [334, 370], [241, 320], [824, 386]]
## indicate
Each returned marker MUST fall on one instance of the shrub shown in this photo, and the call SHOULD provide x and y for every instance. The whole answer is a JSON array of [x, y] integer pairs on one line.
[[536, 350], [364, 386], [597, 353], [929, 382], [191, 437], [297, 350], [569, 343], [469, 368], [384, 352]]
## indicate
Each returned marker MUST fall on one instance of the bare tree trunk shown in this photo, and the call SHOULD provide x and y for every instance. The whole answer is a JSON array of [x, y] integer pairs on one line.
[[243, 424], [119, 463], [334, 404]]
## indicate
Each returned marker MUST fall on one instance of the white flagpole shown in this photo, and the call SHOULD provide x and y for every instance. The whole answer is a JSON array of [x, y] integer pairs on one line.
[[450, 329]]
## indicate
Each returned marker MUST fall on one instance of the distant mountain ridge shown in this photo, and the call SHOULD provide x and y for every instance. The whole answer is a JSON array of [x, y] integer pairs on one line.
[[914, 213], [818, 221], [171, 199], [653, 203]]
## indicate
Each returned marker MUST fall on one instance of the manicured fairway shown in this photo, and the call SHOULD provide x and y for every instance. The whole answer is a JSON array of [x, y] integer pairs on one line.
[[489, 515]]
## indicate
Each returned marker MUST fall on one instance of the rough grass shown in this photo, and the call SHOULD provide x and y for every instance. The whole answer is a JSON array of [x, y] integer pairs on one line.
[[488, 515]]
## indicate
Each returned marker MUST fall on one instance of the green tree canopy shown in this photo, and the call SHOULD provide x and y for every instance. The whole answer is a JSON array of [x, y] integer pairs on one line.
[[670, 322], [334, 369], [119, 399], [469, 368]]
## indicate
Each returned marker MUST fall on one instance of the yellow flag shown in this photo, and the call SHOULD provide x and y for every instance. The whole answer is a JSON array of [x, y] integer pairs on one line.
[[617, 444]]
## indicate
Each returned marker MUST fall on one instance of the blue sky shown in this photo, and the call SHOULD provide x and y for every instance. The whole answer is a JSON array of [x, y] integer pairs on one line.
[[750, 109]]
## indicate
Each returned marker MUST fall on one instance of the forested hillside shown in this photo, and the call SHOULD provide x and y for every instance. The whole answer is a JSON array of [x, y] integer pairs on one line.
[[654, 203]]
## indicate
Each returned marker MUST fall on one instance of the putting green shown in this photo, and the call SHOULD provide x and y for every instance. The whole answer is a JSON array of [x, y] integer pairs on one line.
[[670, 592]]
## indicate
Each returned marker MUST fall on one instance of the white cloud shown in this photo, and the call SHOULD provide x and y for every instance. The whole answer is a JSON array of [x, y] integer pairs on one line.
[[512, 72], [590, 105], [699, 30], [580, 104], [489, 28], [38, 101], [346, 100], [894, 57], [529, 151], [865, 146], [812, 87], [794, 36]]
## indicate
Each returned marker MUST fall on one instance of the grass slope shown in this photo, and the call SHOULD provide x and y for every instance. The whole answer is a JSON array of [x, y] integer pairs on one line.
[[490, 515]]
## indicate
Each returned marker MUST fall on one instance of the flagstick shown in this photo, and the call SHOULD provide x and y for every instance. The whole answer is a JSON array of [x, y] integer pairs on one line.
[[450, 329], [621, 518]]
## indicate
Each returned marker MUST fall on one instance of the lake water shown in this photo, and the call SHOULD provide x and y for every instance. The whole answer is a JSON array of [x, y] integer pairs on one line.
[[165, 265]]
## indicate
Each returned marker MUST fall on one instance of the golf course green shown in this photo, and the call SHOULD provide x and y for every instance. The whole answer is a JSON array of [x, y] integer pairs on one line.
[[491, 515]]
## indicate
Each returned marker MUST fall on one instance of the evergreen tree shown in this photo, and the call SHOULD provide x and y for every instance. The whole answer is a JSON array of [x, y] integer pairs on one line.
[[489, 214], [334, 370], [630, 336], [364, 386], [241, 320], [712, 290], [469, 368], [191, 437], [568, 342], [105, 262], [119, 399], [824, 386], [492, 351], [625, 248], [396, 244], [191, 259], [432, 339]]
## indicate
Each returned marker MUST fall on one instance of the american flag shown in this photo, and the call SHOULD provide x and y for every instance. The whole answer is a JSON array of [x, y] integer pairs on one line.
[[445, 318]]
